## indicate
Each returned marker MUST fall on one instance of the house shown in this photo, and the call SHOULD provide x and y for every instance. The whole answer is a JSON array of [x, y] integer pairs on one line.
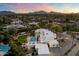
[[22, 33], [75, 35], [53, 43], [34, 23], [16, 23], [42, 49], [46, 36], [64, 35], [64, 38]]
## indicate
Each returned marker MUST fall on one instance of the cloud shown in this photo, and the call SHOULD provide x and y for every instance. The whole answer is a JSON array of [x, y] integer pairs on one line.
[[43, 7], [24, 8]]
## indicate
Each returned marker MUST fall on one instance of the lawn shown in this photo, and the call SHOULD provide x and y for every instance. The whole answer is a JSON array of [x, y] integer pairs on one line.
[[22, 39]]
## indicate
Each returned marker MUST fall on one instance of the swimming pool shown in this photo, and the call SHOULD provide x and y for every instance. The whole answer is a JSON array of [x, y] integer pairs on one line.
[[33, 39], [4, 48]]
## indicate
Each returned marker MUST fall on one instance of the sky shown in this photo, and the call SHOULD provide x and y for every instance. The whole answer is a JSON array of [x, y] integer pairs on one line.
[[32, 7]]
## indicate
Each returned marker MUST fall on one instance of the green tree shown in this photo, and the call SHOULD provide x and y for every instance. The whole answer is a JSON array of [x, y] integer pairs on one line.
[[16, 48], [55, 27], [12, 30]]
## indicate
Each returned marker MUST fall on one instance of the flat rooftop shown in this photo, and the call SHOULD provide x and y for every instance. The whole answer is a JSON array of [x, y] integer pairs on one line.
[[42, 49]]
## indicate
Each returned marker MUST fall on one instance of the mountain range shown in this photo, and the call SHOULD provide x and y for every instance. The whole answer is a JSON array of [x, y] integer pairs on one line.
[[6, 13]]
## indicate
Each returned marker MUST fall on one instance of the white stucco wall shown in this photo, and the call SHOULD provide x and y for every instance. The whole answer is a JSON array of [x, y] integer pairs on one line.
[[46, 36]]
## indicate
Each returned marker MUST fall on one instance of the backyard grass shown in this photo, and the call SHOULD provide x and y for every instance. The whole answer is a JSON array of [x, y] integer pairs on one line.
[[22, 39]]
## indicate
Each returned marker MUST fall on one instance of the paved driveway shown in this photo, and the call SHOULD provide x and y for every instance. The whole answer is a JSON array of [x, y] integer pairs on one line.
[[74, 51], [61, 51]]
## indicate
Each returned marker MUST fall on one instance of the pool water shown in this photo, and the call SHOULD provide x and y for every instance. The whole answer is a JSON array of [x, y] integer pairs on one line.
[[4, 48], [33, 39]]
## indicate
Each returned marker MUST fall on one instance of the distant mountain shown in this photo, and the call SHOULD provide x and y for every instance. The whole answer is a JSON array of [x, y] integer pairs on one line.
[[44, 12], [54, 12], [32, 13], [39, 12], [6, 13]]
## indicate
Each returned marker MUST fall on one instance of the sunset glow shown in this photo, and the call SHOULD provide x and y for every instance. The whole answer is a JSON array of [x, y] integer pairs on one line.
[[31, 7]]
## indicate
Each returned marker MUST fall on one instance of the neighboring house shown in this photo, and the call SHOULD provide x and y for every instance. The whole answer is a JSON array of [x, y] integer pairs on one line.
[[33, 23], [46, 36], [75, 35], [53, 43], [22, 33], [64, 36], [77, 24], [16, 23]]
